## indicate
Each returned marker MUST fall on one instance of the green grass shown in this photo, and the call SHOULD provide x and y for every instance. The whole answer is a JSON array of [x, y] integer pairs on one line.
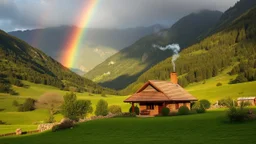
[[207, 128], [12, 128], [209, 90], [26, 119]]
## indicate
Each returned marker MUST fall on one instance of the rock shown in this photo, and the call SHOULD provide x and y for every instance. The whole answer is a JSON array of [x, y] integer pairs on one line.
[[18, 131], [46, 126]]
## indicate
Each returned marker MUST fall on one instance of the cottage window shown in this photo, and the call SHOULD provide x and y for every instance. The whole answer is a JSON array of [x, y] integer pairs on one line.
[[150, 106]]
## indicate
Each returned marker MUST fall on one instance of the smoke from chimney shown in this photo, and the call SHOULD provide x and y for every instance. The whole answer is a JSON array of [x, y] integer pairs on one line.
[[174, 47]]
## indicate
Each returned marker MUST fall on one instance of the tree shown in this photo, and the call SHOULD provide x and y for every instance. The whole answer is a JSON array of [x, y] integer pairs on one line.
[[75, 109], [28, 105], [101, 108], [83, 107], [51, 102], [68, 107]]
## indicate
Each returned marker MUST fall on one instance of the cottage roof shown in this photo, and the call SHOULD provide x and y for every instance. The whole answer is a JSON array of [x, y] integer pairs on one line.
[[155, 90], [246, 98]]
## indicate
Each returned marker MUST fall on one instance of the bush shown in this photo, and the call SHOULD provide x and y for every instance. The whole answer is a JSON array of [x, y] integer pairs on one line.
[[205, 103], [103, 94], [75, 109], [236, 114], [228, 102], [165, 111], [219, 84], [198, 107], [28, 105], [2, 122], [126, 114], [183, 110], [115, 109], [101, 108], [136, 110], [83, 107], [200, 110], [15, 103], [12, 92]]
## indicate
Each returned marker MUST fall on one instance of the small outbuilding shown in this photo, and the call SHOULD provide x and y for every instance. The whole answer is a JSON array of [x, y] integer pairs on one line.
[[251, 100], [155, 94]]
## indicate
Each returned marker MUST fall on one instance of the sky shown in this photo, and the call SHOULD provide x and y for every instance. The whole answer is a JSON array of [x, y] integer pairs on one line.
[[31, 14]]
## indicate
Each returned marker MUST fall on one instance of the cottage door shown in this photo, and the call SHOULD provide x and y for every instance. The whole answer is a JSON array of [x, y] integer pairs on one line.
[[160, 108]]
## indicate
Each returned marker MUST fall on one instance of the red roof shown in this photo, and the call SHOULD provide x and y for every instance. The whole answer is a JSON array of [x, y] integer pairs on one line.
[[155, 90]]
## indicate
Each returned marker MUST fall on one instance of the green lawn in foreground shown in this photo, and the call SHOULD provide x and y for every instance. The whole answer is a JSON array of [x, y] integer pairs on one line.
[[207, 128]]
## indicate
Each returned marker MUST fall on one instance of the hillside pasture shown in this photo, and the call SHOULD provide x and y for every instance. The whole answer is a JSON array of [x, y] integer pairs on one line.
[[210, 128]]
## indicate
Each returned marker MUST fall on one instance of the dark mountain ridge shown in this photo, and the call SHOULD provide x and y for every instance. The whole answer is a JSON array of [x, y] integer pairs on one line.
[[20, 61]]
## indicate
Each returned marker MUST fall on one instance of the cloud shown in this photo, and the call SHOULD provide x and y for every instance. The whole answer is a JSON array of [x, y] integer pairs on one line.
[[20, 14]]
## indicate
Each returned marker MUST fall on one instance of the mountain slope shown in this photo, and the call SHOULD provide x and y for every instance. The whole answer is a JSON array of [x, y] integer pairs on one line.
[[232, 13], [19, 61], [233, 48], [97, 44], [126, 66]]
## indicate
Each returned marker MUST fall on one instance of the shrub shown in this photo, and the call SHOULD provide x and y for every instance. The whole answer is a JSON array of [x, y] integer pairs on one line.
[[75, 109], [205, 103], [219, 84], [103, 94], [12, 92], [126, 114], [28, 105], [183, 110], [237, 114], [136, 110], [198, 107], [101, 108], [83, 107], [2, 122], [115, 109], [228, 102], [165, 111], [15, 103], [200, 110]]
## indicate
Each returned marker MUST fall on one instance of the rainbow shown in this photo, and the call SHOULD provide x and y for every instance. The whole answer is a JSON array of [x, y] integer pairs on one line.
[[71, 48]]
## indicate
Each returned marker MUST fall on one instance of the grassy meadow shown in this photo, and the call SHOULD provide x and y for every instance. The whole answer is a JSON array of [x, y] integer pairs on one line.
[[210, 128], [29, 120]]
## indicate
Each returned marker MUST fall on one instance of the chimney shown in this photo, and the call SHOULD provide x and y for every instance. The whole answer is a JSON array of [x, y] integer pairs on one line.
[[174, 78]]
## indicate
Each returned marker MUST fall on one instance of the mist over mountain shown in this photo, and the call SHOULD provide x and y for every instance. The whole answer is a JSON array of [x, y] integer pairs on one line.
[[96, 45], [132, 61]]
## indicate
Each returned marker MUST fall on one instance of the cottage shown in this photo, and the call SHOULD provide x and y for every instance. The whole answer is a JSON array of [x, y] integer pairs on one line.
[[155, 94], [251, 100]]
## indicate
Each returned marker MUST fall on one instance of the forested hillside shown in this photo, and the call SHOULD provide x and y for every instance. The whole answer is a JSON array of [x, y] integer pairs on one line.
[[19, 61], [235, 47], [126, 66], [232, 13]]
